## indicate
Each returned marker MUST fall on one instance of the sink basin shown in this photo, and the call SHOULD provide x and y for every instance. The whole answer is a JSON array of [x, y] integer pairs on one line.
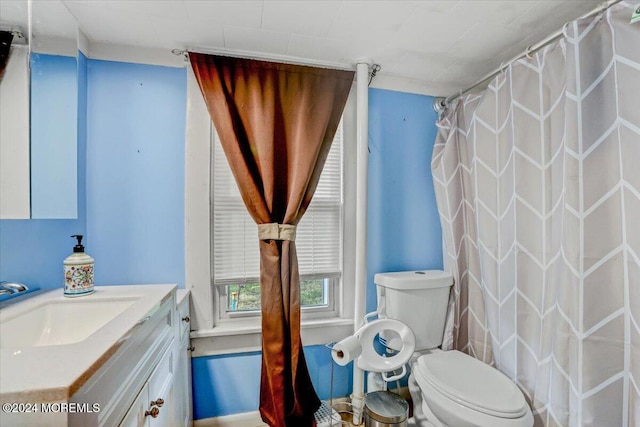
[[60, 322]]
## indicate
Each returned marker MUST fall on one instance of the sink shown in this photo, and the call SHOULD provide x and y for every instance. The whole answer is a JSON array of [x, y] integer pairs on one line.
[[51, 345], [60, 322]]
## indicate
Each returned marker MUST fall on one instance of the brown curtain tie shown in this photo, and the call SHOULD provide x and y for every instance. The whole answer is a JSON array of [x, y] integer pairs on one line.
[[275, 231]]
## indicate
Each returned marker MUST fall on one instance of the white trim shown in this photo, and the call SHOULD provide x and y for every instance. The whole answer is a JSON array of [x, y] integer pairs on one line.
[[197, 206], [59, 46], [245, 336], [83, 43], [164, 57], [330, 310], [408, 85], [134, 54]]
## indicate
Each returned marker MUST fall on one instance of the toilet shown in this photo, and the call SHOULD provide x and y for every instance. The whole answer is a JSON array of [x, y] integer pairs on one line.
[[448, 388]]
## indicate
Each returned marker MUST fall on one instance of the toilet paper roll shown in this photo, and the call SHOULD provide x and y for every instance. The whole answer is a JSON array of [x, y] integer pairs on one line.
[[346, 350]]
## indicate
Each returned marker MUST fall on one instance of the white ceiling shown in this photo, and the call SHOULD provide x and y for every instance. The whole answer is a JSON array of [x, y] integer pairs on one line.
[[440, 46]]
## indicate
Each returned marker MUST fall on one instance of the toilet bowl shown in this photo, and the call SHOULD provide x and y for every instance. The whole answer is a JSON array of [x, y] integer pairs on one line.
[[448, 388], [454, 389]]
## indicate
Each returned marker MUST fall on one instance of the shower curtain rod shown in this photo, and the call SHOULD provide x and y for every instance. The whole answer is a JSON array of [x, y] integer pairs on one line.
[[273, 58], [441, 104]]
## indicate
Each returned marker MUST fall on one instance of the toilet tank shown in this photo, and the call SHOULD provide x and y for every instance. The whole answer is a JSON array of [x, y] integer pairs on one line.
[[417, 298]]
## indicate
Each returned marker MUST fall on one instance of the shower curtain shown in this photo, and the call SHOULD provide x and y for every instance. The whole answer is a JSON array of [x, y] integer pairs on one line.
[[538, 187]]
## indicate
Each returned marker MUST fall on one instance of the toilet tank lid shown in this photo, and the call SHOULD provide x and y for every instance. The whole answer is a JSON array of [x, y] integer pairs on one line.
[[406, 280]]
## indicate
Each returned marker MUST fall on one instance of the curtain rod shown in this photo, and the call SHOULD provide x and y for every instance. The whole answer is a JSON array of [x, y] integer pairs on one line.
[[440, 104], [16, 31], [273, 58]]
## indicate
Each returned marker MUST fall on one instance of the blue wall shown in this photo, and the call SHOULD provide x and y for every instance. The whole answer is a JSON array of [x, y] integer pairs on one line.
[[135, 172], [230, 384], [403, 227]]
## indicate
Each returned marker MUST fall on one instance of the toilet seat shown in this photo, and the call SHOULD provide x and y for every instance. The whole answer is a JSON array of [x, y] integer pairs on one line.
[[370, 360], [471, 383]]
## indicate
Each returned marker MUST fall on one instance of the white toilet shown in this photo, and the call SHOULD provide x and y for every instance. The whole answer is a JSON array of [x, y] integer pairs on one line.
[[448, 388]]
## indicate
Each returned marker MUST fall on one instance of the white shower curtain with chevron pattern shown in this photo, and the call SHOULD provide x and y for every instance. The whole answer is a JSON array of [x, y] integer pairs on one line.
[[538, 187]]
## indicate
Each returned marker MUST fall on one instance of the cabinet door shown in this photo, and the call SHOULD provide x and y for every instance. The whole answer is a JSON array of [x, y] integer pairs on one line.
[[184, 415], [166, 414], [136, 415], [161, 391]]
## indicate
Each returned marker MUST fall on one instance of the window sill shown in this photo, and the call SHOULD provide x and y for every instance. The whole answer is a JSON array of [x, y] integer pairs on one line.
[[245, 336]]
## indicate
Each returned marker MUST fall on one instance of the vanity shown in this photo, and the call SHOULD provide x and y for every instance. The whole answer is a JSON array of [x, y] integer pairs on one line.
[[117, 357]]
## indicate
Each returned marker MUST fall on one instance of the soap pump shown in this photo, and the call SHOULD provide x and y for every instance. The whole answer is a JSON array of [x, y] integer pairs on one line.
[[78, 271]]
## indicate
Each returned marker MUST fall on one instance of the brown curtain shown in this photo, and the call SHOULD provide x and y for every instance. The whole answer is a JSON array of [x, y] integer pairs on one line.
[[5, 47], [276, 123]]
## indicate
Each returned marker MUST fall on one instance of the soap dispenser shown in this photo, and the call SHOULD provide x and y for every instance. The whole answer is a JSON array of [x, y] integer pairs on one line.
[[78, 271]]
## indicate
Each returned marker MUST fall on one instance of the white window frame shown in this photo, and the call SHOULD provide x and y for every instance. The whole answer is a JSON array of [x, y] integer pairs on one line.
[[316, 312], [211, 334]]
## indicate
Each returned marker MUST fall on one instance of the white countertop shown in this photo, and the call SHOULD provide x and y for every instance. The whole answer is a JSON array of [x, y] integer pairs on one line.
[[54, 373], [181, 294]]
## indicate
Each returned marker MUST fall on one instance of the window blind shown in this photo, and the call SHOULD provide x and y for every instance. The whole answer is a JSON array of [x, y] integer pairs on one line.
[[235, 234]]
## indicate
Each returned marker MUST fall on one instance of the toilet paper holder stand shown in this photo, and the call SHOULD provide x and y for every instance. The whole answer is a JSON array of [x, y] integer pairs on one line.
[[368, 359]]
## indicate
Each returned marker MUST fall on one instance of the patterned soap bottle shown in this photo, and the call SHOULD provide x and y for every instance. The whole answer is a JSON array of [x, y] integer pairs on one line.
[[78, 271]]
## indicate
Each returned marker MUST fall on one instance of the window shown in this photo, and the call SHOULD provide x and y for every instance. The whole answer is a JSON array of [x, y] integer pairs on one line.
[[225, 315], [236, 256]]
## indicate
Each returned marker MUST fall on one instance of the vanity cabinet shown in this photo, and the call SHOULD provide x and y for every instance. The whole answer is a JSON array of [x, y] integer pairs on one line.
[[149, 382], [156, 404], [132, 370], [165, 398], [144, 361]]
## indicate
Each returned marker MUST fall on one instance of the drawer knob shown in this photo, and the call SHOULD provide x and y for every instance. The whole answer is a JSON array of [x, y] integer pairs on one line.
[[158, 402], [154, 412], [186, 319]]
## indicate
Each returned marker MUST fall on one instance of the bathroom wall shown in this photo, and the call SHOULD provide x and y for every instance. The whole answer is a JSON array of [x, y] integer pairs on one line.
[[136, 116], [404, 230], [134, 197]]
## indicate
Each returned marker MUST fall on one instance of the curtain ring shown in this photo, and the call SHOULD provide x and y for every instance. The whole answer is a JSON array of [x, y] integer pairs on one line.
[[527, 53]]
